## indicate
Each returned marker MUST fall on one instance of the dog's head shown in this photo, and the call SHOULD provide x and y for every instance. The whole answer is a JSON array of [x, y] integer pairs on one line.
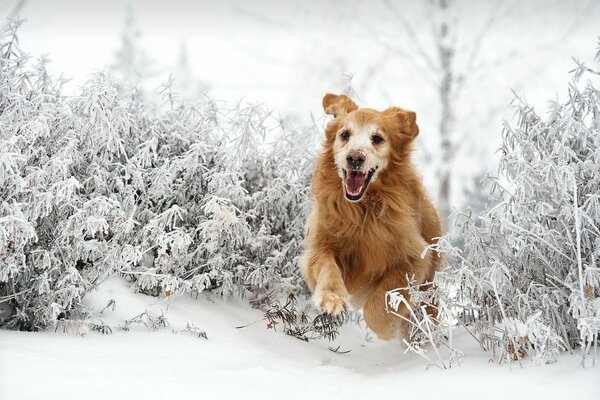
[[365, 142]]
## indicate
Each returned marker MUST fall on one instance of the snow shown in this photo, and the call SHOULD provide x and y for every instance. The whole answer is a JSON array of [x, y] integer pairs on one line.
[[286, 56], [254, 362]]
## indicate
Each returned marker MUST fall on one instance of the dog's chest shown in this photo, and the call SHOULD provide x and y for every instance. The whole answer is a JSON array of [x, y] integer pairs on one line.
[[367, 239], [368, 248]]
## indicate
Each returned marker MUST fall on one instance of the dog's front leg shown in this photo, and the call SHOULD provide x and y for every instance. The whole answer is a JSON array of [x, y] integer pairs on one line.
[[325, 280]]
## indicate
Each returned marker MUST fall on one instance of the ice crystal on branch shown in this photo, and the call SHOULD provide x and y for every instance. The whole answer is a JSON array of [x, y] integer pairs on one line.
[[180, 198], [528, 280]]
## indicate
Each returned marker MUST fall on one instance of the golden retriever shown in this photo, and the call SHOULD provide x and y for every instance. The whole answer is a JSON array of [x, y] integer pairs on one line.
[[371, 218]]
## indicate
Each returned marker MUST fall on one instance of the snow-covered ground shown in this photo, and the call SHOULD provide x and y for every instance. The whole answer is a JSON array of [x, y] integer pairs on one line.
[[255, 362]]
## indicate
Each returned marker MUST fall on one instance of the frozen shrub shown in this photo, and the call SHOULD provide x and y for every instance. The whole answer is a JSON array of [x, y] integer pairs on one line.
[[528, 277], [177, 198]]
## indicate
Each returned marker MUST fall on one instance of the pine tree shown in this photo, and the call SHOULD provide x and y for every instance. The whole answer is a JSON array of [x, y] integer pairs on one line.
[[131, 66]]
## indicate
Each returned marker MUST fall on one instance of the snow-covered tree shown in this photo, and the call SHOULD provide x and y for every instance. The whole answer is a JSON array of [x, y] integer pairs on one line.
[[131, 65], [438, 40]]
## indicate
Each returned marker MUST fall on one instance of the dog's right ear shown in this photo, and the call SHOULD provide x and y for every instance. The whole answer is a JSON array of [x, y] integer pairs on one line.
[[338, 105]]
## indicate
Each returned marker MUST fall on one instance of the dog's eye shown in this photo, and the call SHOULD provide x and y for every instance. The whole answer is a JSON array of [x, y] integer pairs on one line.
[[345, 135], [376, 139]]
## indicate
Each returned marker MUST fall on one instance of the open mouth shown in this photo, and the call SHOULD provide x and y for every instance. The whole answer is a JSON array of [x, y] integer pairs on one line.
[[355, 183]]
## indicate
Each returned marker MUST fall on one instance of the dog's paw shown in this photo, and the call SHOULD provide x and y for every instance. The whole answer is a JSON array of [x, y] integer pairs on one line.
[[331, 302]]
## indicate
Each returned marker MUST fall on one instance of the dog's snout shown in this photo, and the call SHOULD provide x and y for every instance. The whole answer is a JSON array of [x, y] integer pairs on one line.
[[355, 159]]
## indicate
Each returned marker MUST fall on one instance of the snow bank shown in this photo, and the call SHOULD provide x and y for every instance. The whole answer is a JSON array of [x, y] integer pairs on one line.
[[254, 362]]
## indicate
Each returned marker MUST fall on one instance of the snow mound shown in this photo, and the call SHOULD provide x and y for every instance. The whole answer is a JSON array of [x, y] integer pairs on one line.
[[252, 362]]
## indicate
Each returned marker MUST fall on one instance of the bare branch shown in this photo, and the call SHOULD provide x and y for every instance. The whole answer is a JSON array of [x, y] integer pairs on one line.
[[412, 35]]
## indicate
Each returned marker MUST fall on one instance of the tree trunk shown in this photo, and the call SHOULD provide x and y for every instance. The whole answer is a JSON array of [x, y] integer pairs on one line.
[[446, 88]]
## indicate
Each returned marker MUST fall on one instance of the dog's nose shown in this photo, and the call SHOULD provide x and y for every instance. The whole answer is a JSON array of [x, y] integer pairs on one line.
[[355, 160]]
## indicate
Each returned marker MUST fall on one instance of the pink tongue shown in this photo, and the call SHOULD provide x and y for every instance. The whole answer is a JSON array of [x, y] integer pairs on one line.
[[354, 182]]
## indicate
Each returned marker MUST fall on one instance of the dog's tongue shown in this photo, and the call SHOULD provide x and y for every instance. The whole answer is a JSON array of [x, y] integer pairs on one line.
[[355, 180]]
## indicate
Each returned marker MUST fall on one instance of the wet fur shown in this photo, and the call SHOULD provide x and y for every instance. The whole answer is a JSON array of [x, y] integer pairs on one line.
[[356, 251]]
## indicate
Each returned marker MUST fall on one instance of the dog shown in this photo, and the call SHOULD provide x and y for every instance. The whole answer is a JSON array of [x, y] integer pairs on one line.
[[371, 219]]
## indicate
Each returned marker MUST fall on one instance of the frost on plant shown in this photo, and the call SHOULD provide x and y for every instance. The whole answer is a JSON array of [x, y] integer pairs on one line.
[[177, 198], [527, 281], [429, 319]]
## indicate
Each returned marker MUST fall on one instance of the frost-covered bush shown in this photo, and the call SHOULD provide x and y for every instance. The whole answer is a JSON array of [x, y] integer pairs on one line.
[[528, 280], [177, 198], [430, 321]]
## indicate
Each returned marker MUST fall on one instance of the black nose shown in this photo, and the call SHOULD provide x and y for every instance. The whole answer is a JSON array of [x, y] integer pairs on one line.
[[355, 160]]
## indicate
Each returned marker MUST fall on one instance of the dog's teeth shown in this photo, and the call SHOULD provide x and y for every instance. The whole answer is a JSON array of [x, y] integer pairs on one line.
[[356, 192]]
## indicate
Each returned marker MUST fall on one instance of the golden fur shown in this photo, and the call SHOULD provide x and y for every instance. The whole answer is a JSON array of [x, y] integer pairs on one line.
[[355, 251]]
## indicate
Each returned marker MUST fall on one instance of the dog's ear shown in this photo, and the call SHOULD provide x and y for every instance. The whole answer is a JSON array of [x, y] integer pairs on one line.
[[338, 105], [406, 120]]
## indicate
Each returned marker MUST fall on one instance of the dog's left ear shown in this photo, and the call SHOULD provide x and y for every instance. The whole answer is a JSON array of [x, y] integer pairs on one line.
[[338, 105], [406, 120]]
